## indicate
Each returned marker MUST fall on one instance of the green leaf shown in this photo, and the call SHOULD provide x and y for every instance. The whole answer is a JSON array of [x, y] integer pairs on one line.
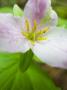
[[12, 78], [5, 10], [25, 60], [17, 11], [62, 23]]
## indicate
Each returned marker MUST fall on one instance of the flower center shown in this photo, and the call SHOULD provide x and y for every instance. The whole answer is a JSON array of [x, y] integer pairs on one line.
[[32, 33]]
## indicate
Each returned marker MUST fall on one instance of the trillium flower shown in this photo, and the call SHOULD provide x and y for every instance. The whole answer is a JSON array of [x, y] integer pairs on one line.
[[47, 42]]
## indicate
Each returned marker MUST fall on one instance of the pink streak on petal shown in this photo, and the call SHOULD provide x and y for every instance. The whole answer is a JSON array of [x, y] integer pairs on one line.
[[35, 9], [40, 9], [11, 39]]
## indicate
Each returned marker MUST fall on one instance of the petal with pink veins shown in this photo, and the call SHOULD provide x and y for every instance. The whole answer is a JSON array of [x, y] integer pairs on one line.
[[36, 9], [11, 38]]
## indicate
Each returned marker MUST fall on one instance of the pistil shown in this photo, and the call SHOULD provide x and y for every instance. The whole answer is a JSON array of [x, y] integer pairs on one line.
[[32, 33]]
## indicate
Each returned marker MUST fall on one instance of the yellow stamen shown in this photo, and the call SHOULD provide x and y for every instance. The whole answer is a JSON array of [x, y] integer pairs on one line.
[[42, 31], [25, 34], [35, 26], [34, 36], [32, 33], [33, 42], [27, 24], [42, 38]]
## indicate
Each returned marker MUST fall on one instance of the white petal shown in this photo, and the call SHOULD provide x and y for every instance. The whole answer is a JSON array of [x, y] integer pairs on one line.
[[35, 9], [53, 51], [50, 18], [56, 33], [11, 39]]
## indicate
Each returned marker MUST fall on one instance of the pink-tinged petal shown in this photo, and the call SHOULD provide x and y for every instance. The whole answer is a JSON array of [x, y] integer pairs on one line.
[[11, 20], [11, 39], [54, 50], [36, 9]]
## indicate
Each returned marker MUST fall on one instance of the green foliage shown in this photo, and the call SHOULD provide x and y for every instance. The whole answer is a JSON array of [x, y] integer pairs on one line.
[[26, 60], [12, 78], [6, 10], [17, 11], [62, 23], [61, 11], [61, 7], [7, 2]]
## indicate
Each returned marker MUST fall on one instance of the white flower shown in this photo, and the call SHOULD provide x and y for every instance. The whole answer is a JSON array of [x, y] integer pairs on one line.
[[49, 43]]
